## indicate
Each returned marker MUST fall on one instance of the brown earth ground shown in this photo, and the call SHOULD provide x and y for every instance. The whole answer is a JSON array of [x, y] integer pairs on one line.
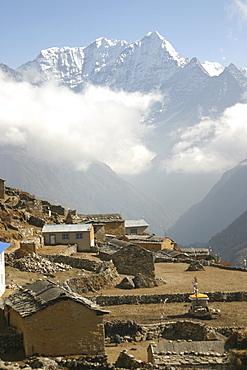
[[176, 280]]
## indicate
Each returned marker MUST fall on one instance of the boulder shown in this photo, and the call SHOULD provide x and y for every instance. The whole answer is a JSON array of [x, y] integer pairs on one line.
[[238, 339], [142, 281], [126, 283], [195, 266]]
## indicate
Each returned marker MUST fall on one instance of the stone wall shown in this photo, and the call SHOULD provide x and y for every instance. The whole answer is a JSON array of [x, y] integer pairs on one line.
[[179, 330], [114, 300], [10, 343], [79, 263]]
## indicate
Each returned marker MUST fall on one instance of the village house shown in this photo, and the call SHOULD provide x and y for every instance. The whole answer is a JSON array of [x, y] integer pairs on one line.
[[111, 223], [136, 227], [54, 321], [2, 189], [151, 242], [80, 234], [3, 247]]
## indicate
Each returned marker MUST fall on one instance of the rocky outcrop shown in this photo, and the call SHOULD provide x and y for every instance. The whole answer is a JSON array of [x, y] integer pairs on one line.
[[133, 259], [36, 263]]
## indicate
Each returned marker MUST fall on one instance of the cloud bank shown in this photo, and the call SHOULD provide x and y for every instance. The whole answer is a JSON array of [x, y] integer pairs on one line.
[[211, 145], [57, 125]]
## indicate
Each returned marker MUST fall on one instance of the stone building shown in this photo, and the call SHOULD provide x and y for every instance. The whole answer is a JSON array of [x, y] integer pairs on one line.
[[80, 234], [151, 242], [54, 321], [136, 227], [2, 189], [110, 223], [132, 259]]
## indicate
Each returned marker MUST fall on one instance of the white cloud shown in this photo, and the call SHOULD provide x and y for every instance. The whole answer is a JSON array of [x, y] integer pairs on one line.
[[55, 124], [211, 145], [239, 8]]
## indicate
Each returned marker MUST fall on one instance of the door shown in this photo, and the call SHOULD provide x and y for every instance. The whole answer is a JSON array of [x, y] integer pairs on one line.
[[52, 239]]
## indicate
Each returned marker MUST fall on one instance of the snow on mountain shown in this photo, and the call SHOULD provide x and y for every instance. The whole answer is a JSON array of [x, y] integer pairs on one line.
[[141, 65], [71, 65], [213, 68], [244, 71]]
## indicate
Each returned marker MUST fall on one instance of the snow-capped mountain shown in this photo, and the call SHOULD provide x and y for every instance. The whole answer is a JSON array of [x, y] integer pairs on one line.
[[142, 65], [191, 90]]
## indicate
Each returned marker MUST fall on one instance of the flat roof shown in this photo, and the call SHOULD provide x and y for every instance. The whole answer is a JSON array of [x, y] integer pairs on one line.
[[66, 228]]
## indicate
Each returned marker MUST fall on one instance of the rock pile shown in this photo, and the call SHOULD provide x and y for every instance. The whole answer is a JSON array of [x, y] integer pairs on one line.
[[139, 281], [37, 263]]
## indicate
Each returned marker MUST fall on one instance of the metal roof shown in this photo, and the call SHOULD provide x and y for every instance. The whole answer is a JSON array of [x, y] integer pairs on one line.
[[136, 223], [66, 228], [4, 246]]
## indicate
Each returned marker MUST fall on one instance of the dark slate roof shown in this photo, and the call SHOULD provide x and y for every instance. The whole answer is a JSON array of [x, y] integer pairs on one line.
[[147, 239], [195, 346], [43, 293], [108, 217]]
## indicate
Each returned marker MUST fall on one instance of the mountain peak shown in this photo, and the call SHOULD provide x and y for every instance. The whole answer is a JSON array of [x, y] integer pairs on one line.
[[155, 34]]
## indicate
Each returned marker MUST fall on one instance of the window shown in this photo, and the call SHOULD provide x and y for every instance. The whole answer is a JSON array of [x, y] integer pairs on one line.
[[133, 231], [65, 237], [79, 236]]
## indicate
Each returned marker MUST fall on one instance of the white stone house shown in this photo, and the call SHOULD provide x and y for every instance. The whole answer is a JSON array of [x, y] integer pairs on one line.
[[136, 227], [80, 234], [3, 246]]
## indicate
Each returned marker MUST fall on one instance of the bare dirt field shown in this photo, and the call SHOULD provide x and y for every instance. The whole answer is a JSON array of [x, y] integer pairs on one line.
[[176, 280]]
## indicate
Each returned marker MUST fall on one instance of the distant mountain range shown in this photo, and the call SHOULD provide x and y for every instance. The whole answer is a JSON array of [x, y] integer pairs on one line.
[[226, 201], [231, 243], [98, 190], [191, 90]]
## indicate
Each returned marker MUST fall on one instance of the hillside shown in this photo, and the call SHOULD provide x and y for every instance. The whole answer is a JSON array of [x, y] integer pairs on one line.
[[226, 201], [231, 243], [97, 190]]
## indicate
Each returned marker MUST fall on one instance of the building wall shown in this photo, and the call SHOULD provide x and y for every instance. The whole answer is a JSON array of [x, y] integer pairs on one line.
[[83, 244], [115, 228], [27, 248], [2, 189], [168, 243], [2, 274], [140, 230], [65, 328]]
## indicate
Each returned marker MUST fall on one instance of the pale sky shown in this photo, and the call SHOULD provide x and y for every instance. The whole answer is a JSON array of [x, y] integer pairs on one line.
[[214, 30]]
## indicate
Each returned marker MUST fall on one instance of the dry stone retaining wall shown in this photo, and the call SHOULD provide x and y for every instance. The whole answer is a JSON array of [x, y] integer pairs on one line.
[[114, 300], [79, 263]]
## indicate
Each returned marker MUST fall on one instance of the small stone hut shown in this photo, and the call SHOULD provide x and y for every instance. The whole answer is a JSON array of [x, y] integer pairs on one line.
[[151, 242], [112, 223], [136, 227], [54, 321], [80, 234]]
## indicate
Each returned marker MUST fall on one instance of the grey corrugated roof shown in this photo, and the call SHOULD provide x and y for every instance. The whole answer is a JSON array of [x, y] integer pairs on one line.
[[136, 223], [66, 228], [41, 294]]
